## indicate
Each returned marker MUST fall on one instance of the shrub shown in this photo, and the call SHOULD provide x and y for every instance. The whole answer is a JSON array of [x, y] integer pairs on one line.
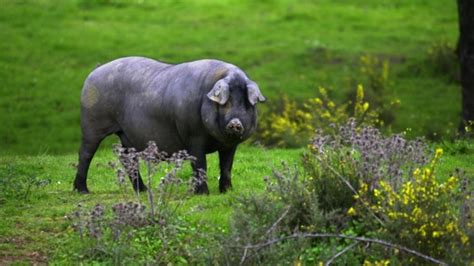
[[286, 226], [290, 123], [443, 60], [388, 186], [423, 213], [337, 163], [132, 232], [287, 207], [374, 75]]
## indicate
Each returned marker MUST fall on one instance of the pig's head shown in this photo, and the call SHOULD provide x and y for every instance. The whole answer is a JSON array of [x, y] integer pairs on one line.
[[229, 109]]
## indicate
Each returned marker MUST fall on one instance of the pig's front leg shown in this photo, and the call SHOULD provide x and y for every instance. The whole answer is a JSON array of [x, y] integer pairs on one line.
[[226, 159], [199, 169]]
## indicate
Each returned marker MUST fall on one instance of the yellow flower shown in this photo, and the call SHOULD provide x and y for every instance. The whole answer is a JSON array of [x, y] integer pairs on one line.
[[367, 263], [360, 92], [326, 114], [395, 102], [376, 193], [322, 91], [351, 211], [427, 172], [436, 234], [297, 262], [438, 153], [416, 172], [422, 230], [452, 180], [392, 215], [416, 211], [365, 107], [450, 227], [377, 263]]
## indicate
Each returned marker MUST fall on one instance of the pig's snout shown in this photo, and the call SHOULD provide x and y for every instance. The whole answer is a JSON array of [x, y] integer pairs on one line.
[[235, 127]]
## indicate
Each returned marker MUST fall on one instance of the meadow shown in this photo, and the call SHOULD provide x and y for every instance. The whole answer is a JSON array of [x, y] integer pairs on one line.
[[290, 48]]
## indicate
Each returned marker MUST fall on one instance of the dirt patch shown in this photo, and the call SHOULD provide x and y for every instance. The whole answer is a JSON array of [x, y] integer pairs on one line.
[[19, 254], [33, 258]]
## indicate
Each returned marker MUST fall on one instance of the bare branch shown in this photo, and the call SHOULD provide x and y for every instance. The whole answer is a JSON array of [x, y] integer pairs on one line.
[[340, 253], [278, 221], [355, 238], [344, 180], [244, 257]]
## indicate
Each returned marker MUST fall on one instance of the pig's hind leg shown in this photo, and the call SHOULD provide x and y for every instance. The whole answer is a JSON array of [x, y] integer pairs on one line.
[[132, 167], [89, 144]]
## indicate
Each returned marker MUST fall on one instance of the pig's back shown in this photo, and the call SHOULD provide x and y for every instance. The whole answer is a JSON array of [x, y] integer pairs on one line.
[[110, 85]]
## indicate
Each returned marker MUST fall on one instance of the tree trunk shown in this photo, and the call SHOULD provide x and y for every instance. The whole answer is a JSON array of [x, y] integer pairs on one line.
[[466, 60]]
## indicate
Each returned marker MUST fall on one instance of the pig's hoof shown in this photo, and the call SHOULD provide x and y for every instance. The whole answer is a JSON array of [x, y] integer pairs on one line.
[[224, 189], [224, 185], [140, 189], [82, 190], [201, 190]]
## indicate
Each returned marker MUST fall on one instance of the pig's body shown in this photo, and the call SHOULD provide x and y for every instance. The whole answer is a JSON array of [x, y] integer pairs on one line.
[[143, 100]]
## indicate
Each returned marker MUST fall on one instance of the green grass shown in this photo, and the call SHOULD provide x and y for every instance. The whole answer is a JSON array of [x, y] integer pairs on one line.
[[36, 224], [48, 47]]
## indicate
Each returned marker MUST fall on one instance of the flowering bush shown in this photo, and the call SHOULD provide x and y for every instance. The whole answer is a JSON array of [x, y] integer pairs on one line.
[[389, 188], [358, 155], [290, 123], [374, 75], [376, 72], [423, 213]]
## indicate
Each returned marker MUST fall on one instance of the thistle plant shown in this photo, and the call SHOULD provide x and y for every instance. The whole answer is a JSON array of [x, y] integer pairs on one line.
[[156, 161], [337, 164], [112, 231]]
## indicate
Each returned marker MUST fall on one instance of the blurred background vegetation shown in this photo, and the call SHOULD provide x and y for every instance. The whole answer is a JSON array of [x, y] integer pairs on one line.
[[290, 48]]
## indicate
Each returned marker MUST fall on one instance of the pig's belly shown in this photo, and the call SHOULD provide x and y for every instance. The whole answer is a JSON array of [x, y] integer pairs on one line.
[[166, 137]]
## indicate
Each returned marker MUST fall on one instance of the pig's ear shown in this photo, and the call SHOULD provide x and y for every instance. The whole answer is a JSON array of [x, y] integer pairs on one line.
[[254, 94], [220, 92]]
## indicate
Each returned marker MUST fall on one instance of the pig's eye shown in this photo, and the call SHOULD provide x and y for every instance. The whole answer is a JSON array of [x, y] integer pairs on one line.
[[228, 104], [224, 109]]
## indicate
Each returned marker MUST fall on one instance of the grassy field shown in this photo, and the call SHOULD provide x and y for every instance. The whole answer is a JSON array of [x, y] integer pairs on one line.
[[291, 47], [34, 227]]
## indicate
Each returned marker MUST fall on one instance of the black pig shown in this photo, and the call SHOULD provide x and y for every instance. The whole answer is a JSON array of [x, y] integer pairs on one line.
[[202, 107]]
